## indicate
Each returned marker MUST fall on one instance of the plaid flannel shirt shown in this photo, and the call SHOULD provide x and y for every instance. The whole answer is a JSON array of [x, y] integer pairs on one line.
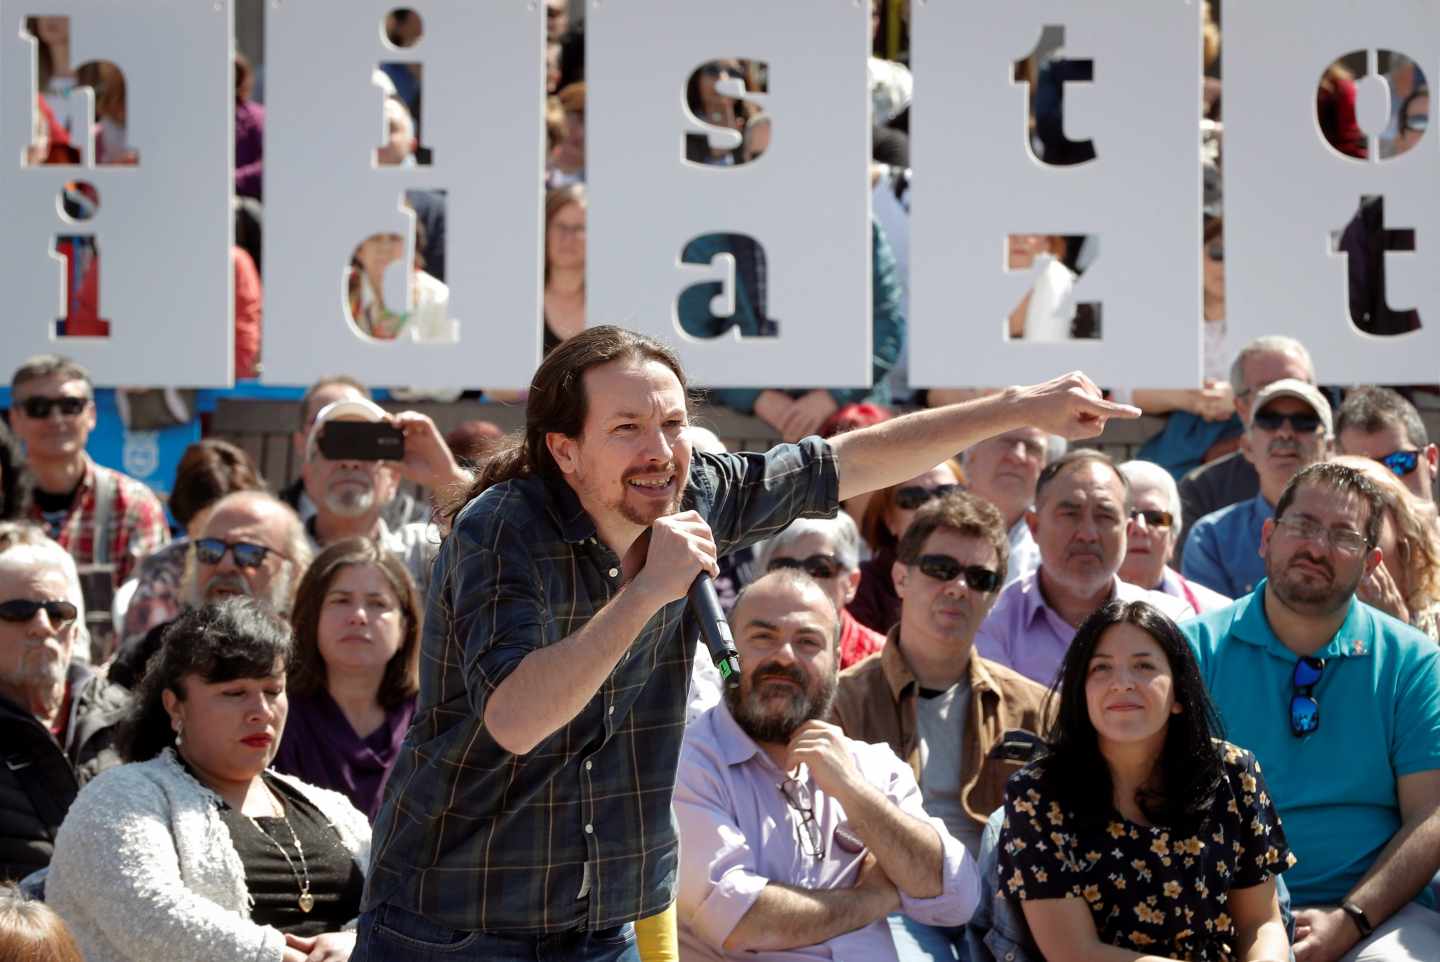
[[578, 833], [136, 525]]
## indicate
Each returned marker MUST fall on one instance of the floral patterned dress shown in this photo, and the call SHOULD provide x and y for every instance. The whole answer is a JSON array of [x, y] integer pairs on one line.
[[1148, 888]]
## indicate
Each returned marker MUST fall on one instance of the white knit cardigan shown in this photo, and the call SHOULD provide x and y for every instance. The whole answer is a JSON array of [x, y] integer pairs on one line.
[[144, 868]]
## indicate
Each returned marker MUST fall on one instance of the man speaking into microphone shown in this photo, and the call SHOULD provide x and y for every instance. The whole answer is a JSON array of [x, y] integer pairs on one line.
[[528, 814]]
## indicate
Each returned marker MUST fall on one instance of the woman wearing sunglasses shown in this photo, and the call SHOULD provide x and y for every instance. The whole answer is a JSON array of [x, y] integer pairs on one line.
[[1151, 537], [355, 674], [887, 515], [1406, 583], [194, 850], [1138, 828]]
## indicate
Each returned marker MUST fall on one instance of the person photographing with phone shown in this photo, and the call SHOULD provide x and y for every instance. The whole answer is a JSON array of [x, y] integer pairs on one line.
[[529, 811], [355, 458]]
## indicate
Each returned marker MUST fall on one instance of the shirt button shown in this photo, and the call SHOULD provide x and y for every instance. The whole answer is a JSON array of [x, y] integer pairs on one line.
[[612, 709], [589, 765], [614, 572], [589, 829]]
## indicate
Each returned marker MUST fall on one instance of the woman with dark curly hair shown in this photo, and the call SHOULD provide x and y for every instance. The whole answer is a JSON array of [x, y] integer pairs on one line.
[[15, 481], [1139, 828]]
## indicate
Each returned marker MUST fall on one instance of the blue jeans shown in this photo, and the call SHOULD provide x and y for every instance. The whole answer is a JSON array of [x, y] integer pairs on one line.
[[918, 942], [390, 934]]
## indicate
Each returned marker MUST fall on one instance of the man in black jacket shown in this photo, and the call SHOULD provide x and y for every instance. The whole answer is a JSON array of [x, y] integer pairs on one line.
[[57, 718]]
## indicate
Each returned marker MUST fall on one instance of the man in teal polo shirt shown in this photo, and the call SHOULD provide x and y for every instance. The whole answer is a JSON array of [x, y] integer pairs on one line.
[[1341, 705]]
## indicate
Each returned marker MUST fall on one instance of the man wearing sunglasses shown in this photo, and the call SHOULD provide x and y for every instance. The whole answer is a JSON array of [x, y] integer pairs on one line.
[[1341, 705], [101, 516], [828, 550], [1289, 429], [937, 704], [1082, 510], [798, 841], [252, 544], [57, 717], [1378, 423]]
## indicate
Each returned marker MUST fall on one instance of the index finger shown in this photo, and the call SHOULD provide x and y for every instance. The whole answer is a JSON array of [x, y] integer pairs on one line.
[[1109, 409]]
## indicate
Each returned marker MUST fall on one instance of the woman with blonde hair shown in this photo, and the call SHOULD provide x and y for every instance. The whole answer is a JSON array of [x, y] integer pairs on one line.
[[1406, 583]]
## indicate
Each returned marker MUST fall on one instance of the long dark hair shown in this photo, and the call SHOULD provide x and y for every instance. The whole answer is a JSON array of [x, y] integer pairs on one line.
[[235, 638], [557, 403], [15, 482], [308, 672], [1190, 769]]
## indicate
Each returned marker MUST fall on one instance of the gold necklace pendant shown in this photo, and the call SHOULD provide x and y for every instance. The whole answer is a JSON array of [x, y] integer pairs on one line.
[[307, 901]]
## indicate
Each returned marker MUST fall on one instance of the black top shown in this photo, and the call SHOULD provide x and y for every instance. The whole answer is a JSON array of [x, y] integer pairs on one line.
[[1149, 888], [335, 879]]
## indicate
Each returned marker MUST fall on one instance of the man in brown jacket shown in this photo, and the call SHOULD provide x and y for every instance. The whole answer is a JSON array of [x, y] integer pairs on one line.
[[963, 723]]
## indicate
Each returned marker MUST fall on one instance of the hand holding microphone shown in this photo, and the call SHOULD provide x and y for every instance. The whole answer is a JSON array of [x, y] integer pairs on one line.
[[680, 562]]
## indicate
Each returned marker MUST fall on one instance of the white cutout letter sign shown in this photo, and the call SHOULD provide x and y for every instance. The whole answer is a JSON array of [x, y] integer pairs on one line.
[[332, 199], [1129, 75], [670, 236], [135, 234], [1317, 241]]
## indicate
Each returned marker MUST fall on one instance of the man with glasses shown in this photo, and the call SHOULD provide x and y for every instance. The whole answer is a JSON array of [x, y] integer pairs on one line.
[[57, 717], [962, 723], [828, 550], [1231, 479], [1341, 705], [798, 842], [1289, 428], [1378, 423], [1003, 470], [1082, 510], [252, 544], [105, 519]]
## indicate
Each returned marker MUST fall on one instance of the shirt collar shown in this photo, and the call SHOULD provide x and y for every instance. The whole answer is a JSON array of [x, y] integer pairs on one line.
[[564, 506], [1034, 598], [736, 745], [1355, 637], [902, 681]]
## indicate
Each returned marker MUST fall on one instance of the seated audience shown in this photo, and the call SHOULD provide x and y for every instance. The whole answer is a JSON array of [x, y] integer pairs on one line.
[[1139, 829], [797, 842], [1289, 428], [1155, 523], [208, 471], [350, 495], [1082, 507], [57, 717], [30, 931], [15, 480], [202, 853], [251, 544], [1406, 582], [355, 674], [564, 264], [106, 520], [1376, 422], [828, 550], [1231, 479], [1341, 704], [939, 706], [1003, 470], [887, 514], [403, 508]]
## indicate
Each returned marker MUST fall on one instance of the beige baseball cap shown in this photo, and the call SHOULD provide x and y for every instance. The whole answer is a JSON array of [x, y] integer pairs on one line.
[[1293, 387]]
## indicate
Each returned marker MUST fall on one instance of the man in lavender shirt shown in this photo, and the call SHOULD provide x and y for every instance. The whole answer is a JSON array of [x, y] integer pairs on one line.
[[797, 842], [1082, 510]]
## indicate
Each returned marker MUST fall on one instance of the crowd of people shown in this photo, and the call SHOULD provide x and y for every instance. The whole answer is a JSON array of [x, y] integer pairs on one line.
[[1000, 698]]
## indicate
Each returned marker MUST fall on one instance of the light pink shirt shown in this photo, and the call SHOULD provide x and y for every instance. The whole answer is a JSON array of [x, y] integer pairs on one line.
[[737, 833]]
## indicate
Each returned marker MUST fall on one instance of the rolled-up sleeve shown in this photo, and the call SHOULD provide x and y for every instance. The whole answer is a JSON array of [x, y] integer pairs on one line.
[[960, 881], [748, 497], [718, 881]]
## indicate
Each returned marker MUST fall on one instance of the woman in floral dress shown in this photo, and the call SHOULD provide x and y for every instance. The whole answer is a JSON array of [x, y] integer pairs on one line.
[[1139, 829]]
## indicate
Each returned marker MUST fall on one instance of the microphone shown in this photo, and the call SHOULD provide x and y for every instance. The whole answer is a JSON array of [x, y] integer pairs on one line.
[[704, 603]]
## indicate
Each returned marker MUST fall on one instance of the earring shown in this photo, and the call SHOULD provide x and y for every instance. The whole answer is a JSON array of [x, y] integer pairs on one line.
[[179, 727]]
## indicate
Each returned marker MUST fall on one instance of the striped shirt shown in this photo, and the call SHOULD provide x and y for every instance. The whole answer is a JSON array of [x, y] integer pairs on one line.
[[578, 833]]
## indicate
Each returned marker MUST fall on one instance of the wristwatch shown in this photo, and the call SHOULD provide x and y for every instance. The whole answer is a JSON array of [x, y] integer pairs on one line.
[[1357, 915]]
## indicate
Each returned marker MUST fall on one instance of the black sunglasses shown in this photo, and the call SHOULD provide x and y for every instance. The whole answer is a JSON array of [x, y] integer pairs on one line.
[[719, 69], [942, 567], [40, 407], [210, 551], [1401, 462], [1153, 519], [916, 496], [1299, 423], [1304, 709], [21, 610], [818, 566]]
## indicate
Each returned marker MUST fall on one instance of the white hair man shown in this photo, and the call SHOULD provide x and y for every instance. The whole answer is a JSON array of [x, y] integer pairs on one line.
[[1156, 518], [1004, 470], [57, 717]]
